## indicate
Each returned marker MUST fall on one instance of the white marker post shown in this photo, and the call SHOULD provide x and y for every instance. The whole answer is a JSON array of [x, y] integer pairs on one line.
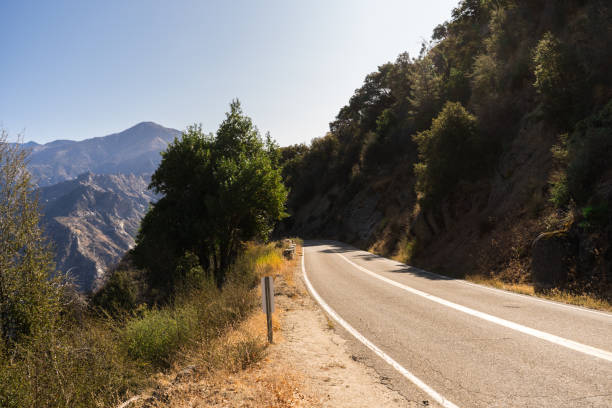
[[267, 302]]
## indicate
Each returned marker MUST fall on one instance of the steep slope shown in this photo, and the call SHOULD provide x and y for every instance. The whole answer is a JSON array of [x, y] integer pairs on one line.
[[92, 221], [489, 154], [133, 151]]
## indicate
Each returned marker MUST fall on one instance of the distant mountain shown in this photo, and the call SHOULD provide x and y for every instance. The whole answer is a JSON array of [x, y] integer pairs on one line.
[[133, 151], [92, 221]]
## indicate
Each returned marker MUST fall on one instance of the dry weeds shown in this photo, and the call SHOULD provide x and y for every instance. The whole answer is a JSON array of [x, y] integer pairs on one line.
[[234, 370]]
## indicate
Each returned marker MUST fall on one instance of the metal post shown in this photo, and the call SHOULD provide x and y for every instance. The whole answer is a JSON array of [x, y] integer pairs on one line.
[[268, 308]]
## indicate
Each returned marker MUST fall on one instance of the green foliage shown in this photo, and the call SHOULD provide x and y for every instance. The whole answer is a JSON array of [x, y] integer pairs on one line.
[[559, 191], [506, 61], [157, 335], [583, 158], [589, 150], [79, 364], [595, 216], [450, 151], [218, 191], [190, 273], [30, 293], [121, 293], [427, 92], [553, 76], [547, 59]]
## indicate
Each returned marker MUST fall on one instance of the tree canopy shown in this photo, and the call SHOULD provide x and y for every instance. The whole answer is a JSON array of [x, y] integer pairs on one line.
[[217, 191]]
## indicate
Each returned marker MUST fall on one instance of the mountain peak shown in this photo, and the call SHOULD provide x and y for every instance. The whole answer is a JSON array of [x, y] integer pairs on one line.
[[146, 127], [146, 124], [135, 150]]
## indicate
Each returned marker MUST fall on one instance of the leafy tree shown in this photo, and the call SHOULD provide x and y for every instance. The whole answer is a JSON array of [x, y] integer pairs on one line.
[[548, 70], [449, 151], [30, 292], [427, 93], [217, 191]]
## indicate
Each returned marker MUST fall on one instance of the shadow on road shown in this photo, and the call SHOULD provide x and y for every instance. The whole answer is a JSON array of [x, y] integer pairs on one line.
[[342, 248]]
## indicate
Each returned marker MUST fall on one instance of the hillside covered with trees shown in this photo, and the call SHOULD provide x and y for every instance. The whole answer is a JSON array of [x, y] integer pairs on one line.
[[489, 154]]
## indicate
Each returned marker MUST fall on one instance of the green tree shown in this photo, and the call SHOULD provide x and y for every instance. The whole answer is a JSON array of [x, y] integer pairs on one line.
[[30, 292], [450, 151], [548, 70], [217, 191]]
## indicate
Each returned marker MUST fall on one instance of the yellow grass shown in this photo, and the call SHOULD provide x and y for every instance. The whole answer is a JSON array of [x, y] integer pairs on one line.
[[270, 263]]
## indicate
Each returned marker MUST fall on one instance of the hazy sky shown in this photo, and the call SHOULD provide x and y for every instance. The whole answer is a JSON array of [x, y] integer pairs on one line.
[[81, 69]]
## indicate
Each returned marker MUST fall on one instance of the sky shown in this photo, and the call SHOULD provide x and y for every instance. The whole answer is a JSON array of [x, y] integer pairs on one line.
[[81, 69]]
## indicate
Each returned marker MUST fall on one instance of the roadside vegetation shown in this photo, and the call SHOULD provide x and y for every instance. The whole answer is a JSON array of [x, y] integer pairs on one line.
[[497, 132], [190, 280]]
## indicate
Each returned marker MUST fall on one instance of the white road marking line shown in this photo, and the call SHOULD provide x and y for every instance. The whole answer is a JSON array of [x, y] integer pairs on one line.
[[536, 299], [477, 285], [411, 377], [582, 348]]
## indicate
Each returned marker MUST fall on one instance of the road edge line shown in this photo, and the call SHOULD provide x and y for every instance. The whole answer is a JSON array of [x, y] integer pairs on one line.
[[570, 344], [535, 298], [397, 366]]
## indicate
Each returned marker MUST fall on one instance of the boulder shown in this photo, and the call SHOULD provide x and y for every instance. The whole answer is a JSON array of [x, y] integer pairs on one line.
[[551, 262]]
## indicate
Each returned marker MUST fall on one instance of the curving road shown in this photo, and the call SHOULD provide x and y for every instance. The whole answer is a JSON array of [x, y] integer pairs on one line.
[[447, 342]]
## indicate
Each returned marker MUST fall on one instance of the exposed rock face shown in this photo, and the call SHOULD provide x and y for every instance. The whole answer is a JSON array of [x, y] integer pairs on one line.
[[92, 221], [133, 151]]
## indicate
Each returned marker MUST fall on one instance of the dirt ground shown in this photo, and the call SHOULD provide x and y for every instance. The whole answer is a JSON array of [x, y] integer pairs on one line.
[[308, 365]]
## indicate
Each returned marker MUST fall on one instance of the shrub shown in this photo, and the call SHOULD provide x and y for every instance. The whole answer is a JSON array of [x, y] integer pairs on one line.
[[121, 293], [584, 158], [595, 216], [589, 150], [80, 366], [189, 274], [157, 335]]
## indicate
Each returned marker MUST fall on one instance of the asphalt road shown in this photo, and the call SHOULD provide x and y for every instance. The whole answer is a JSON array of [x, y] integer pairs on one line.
[[447, 342]]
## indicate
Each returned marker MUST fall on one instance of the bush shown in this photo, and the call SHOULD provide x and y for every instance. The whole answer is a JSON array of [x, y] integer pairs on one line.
[[589, 150], [157, 335], [189, 274], [121, 293], [584, 158]]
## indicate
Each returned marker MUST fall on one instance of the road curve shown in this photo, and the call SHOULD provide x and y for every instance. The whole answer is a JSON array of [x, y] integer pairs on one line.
[[455, 344]]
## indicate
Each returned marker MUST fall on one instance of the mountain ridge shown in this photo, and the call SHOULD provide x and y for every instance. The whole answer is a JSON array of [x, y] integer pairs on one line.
[[132, 151]]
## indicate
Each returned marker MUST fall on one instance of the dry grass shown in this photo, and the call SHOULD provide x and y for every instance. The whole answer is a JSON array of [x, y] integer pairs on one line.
[[584, 300], [272, 263], [234, 370]]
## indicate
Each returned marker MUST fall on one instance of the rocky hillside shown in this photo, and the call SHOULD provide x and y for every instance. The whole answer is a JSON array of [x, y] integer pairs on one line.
[[94, 194], [489, 154], [92, 221], [133, 151]]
